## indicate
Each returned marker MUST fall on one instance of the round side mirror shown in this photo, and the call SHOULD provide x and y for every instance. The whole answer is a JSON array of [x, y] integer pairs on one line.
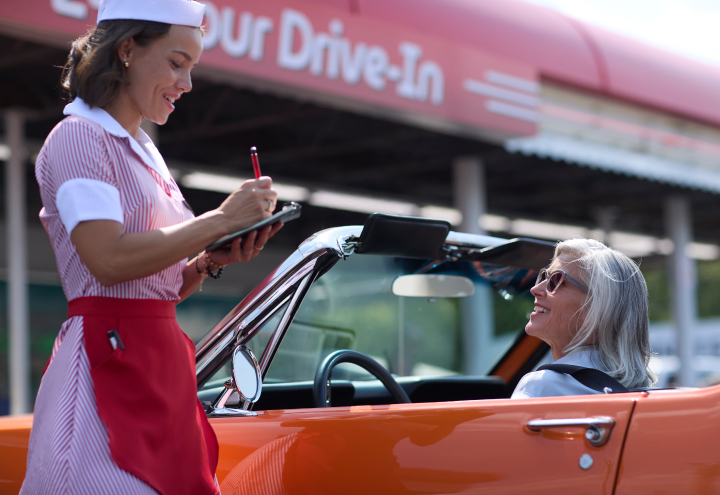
[[426, 285], [247, 379]]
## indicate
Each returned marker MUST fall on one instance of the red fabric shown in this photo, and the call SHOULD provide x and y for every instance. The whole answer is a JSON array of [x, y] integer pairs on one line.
[[147, 393]]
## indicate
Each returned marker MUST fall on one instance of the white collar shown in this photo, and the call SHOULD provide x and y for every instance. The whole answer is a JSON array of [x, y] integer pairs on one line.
[[142, 145], [586, 357]]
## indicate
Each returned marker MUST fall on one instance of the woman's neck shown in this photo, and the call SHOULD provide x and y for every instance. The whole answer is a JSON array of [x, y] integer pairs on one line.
[[122, 110]]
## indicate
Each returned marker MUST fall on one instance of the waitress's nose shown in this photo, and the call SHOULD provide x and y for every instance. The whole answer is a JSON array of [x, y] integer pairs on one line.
[[184, 82]]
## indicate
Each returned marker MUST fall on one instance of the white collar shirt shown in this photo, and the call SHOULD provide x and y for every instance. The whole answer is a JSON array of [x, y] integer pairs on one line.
[[547, 383]]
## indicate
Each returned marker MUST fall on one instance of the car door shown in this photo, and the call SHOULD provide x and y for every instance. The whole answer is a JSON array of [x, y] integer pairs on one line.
[[672, 444], [454, 447]]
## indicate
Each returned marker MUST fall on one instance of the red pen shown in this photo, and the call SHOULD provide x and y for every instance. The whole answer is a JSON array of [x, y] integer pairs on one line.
[[256, 163]]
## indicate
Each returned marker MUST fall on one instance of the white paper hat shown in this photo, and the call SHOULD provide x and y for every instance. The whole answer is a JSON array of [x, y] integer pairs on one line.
[[180, 12]]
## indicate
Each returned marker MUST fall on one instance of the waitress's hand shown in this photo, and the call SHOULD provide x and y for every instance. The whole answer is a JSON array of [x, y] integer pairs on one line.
[[254, 201], [245, 249]]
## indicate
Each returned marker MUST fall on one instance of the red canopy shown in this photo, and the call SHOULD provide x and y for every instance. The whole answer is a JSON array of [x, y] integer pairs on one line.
[[469, 64]]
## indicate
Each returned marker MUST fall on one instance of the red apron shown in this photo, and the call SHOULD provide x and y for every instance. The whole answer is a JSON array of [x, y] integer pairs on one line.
[[147, 393]]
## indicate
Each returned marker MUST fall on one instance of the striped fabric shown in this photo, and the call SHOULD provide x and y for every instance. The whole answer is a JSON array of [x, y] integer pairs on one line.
[[69, 451], [81, 148]]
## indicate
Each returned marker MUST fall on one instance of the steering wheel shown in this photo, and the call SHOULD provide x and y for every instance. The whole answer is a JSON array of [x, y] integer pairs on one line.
[[322, 377]]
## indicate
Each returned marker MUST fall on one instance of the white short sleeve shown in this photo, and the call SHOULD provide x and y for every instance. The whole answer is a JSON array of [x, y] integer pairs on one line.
[[80, 200]]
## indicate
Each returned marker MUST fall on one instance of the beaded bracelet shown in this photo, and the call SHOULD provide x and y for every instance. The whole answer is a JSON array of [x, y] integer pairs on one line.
[[209, 270], [206, 269]]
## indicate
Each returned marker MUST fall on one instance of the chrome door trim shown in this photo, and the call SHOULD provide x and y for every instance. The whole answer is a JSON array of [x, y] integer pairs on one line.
[[598, 427]]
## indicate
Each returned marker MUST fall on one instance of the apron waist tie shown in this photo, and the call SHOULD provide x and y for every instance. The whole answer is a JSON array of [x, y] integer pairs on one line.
[[125, 308]]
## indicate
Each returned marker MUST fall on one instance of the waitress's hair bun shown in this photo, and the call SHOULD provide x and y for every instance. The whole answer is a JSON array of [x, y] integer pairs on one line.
[[94, 71]]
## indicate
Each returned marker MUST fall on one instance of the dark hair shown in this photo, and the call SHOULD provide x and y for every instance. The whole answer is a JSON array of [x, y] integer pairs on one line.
[[94, 71]]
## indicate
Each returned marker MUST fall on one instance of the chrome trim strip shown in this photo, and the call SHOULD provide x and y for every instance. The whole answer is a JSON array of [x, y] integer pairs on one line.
[[262, 299], [282, 327], [273, 279]]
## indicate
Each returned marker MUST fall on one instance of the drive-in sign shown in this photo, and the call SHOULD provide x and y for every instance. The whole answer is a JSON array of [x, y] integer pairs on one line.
[[340, 56]]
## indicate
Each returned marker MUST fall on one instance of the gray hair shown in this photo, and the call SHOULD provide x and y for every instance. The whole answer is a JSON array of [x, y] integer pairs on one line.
[[616, 311]]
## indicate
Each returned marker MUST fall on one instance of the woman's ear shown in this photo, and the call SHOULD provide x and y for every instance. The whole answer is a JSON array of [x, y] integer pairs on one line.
[[126, 49]]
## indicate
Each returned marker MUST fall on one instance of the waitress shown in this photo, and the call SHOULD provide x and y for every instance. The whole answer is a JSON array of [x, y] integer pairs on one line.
[[117, 410]]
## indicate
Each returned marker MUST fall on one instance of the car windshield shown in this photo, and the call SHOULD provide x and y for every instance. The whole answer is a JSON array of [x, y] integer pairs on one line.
[[353, 307]]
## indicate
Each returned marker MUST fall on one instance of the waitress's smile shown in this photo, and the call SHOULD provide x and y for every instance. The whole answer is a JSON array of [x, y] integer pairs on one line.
[[158, 75]]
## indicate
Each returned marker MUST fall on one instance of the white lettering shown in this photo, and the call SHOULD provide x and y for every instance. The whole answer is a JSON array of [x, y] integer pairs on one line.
[[410, 53], [70, 8], [263, 26], [329, 54], [336, 29], [320, 44], [236, 46], [352, 66], [212, 26], [430, 71], [287, 58], [376, 63]]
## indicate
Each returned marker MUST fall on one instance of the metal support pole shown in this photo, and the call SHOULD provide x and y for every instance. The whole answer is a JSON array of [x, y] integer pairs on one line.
[[477, 311], [401, 336], [605, 218], [19, 358], [683, 284]]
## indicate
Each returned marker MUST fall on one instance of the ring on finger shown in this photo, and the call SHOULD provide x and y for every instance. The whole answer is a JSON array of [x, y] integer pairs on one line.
[[259, 248], [270, 205], [247, 252]]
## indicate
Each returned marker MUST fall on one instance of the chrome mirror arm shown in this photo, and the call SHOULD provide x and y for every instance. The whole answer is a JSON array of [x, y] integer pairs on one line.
[[219, 409]]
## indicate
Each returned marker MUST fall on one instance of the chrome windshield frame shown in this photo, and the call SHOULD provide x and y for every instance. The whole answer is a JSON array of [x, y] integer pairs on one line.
[[289, 283]]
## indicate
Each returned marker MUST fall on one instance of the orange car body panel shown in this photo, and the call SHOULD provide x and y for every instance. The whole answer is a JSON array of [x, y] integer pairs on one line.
[[673, 445], [468, 447], [14, 439]]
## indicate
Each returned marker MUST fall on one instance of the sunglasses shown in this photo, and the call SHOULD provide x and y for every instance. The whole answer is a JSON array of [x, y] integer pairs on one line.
[[556, 278]]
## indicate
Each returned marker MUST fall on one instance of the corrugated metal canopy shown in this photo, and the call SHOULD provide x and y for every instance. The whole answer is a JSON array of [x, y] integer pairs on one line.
[[618, 160]]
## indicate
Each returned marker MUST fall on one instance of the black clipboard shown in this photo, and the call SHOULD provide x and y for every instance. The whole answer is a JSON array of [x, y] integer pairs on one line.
[[290, 211]]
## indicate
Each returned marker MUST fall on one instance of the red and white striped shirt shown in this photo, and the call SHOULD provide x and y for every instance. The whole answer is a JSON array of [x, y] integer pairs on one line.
[[90, 168]]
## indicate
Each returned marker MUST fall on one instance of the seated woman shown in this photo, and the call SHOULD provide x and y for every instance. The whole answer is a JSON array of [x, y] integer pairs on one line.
[[591, 308]]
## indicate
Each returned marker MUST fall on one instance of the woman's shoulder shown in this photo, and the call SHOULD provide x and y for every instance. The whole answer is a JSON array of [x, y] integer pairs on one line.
[[71, 136], [548, 383], [586, 357], [72, 128], [74, 148]]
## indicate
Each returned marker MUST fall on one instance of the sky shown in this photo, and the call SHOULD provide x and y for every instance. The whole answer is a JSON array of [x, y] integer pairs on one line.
[[687, 27]]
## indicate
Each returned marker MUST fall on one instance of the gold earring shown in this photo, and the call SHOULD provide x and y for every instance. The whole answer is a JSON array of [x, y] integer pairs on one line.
[[127, 64]]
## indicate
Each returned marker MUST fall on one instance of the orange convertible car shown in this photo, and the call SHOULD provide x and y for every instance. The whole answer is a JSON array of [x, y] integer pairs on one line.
[[383, 309]]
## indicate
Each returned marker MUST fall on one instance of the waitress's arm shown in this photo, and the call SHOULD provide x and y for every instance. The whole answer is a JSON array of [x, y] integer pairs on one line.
[[113, 256], [240, 250]]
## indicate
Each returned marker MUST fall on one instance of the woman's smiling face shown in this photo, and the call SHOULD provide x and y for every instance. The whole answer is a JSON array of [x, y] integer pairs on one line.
[[557, 316], [159, 73]]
